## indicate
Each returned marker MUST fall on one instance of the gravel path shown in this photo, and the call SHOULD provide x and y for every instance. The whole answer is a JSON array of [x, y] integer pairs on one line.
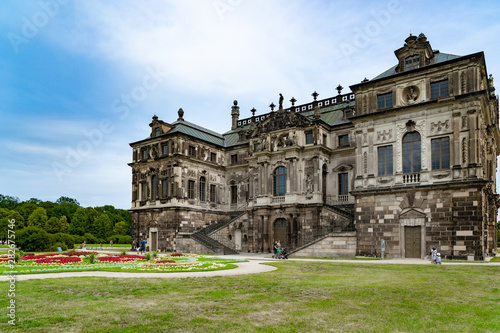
[[254, 265]]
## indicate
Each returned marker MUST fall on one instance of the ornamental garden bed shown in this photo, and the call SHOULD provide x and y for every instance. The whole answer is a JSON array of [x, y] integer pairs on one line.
[[31, 263]]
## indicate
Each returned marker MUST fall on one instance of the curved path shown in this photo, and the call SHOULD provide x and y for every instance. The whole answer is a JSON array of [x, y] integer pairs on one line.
[[250, 267], [254, 265]]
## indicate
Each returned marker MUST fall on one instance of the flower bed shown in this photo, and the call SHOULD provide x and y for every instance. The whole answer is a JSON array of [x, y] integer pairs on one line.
[[80, 253], [40, 256], [120, 258], [58, 260], [176, 255]]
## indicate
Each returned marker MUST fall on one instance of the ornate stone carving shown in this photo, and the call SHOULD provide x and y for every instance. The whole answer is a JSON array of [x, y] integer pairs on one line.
[[280, 120], [439, 126], [384, 135], [464, 122], [464, 150], [365, 162], [410, 94]]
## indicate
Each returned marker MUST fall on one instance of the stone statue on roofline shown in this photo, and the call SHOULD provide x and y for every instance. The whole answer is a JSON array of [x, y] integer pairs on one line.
[[281, 102]]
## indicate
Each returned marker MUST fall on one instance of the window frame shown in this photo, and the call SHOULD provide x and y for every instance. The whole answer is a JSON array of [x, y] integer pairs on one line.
[[164, 149], [234, 158], [202, 186], [440, 153], [412, 153], [411, 65], [385, 160], [191, 189], [343, 140], [192, 151], [438, 88], [385, 101], [212, 193], [234, 194], [309, 137], [279, 181], [343, 188]]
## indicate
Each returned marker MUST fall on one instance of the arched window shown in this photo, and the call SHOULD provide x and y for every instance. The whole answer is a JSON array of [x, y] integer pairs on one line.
[[154, 187], [203, 185], [279, 181], [411, 153]]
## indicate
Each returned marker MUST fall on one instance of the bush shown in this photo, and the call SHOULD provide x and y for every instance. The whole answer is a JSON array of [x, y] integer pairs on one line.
[[120, 239], [91, 239], [78, 239], [54, 247], [69, 240], [33, 239]]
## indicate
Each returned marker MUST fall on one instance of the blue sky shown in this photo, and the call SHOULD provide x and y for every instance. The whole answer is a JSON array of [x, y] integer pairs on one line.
[[81, 79]]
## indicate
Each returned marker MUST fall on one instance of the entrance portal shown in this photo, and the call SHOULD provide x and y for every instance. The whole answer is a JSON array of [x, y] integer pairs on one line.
[[154, 241], [413, 242], [280, 231]]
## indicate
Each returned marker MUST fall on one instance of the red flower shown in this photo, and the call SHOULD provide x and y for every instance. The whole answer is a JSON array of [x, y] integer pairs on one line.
[[59, 260]]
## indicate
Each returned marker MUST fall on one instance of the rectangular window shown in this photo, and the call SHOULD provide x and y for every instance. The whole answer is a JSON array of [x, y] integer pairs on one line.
[[164, 149], [439, 88], [192, 151], [212, 193], [144, 154], [234, 194], [324, 139], [190, 189], [384, 160], [343, 140], [412, 62], [256, 147], [164, 187], [384, 100], [213, 157], [309, 138], [144, 191], [440, 153], [234, 159], [343, 183]]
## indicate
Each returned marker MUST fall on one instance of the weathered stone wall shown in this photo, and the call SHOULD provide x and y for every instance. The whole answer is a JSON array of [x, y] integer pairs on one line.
[[334, 245], [451, 220]]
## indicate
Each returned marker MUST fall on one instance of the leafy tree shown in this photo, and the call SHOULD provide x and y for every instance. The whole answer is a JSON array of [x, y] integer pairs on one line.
[[79, 223], [121, 229], [25, 209], [67, 200], [38, 218], [102, 226], [90, 239], [66, 239], [33, 239], [20, 222], [64, 224], [9, 202], [34, 201], [53, 225]]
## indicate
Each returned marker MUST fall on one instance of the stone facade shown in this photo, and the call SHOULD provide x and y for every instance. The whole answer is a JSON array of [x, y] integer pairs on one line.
[[408, 157]]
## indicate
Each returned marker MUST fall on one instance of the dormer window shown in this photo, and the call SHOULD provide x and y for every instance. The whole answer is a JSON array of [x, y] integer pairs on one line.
[[412, 62], [157, 131]]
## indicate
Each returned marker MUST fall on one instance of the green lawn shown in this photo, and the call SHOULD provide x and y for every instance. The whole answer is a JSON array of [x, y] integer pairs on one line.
[[298, 297]]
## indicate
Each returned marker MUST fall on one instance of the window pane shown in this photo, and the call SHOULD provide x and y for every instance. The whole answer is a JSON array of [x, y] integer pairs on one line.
[[440, 153], [411, 153], [279, 181], [343, 184]]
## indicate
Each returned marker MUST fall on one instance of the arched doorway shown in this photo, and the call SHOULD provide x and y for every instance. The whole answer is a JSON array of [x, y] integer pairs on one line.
[[280, 231]]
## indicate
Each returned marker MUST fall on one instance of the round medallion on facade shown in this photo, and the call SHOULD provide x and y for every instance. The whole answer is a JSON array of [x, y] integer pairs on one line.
[[411, 94]]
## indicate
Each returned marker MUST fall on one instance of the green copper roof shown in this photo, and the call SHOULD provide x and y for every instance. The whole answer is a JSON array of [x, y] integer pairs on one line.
[[438, 58], [182, 126]]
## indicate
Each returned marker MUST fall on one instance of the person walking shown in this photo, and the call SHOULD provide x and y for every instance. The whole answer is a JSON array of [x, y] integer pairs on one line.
[[433, 255], [275, 249]]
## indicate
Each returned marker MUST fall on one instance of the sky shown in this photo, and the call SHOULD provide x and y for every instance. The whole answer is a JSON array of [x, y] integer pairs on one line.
[[80, 80]]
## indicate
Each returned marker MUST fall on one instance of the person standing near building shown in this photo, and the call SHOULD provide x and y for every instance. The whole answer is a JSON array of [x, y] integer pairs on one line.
[[433, 255]]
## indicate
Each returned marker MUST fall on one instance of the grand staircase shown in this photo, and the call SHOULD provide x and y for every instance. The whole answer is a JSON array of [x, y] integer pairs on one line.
[[218, 246]]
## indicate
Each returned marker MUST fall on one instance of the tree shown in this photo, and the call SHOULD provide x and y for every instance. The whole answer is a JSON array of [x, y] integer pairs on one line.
[[25, 209], [64, 224], [38, 218], [68, 201], [78, 224], [102, 226], [8, 202], [33, 239], [121, 229], [53, 225]]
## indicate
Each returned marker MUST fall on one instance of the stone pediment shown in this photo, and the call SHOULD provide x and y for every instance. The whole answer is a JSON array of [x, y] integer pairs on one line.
[[343, 168], [280, 120], [411, 214]]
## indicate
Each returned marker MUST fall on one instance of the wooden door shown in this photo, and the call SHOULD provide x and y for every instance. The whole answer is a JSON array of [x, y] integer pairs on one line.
[[413, 242], [154, 241], [280, 231]]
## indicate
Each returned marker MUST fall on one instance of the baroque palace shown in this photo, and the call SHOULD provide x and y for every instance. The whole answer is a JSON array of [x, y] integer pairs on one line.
[[404, 162]]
